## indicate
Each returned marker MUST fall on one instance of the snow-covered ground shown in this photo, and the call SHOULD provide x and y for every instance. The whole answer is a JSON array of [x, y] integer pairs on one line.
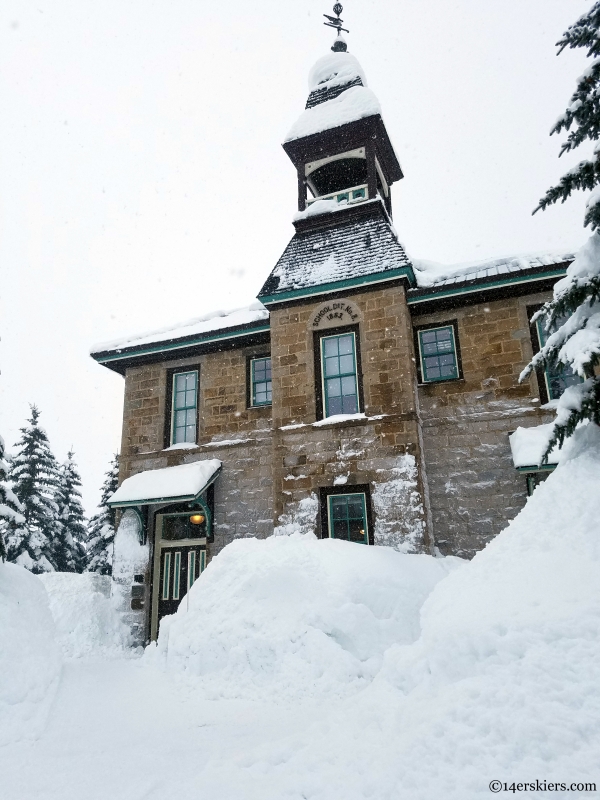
[[495, 679]]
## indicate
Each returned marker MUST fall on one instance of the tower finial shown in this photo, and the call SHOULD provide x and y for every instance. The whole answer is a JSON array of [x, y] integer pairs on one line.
[[339, 46]]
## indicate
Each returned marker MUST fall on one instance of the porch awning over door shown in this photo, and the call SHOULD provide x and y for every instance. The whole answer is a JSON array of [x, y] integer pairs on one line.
[[168, 485]]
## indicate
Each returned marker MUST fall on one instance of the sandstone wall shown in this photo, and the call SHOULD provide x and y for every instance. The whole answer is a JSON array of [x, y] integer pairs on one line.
[[474, 488]]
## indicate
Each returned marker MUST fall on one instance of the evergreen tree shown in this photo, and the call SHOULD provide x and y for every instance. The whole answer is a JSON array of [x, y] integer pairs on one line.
[[572, 317], [34, 474], [11, 516], [69, 550], [101, 530]]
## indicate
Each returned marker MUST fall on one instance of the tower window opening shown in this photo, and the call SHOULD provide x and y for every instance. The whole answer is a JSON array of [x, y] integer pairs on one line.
[[338, 175]]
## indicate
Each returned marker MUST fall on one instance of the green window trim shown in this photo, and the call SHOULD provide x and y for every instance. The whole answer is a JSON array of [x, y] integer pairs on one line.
[[176, 573], [438, 357], [339, 374], [347, 517], [166, 576], [261, 386], [191, 569], [556, 380], [184, 407]]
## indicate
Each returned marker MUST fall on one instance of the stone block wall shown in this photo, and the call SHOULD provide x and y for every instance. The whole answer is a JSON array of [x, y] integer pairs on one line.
[[308, 457], [474, 488], [240, 437]]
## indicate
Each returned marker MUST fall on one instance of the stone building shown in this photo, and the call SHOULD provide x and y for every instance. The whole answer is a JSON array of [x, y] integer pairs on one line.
[[362, 396]]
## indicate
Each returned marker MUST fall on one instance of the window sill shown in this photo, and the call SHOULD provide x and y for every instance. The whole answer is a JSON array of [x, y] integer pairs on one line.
[[437, 383]]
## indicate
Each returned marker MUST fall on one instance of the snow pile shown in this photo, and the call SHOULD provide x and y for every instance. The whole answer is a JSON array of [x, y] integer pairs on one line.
[[130, 557], [214, 321], [528, 446], [335, 69], [86, 621], [503, 683], [185, 481], [291, 618], [29, 658]]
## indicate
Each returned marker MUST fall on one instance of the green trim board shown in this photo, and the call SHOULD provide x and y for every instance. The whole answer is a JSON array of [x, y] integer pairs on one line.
[[177, 345], [543, 468], [334, 286], [483, 285]]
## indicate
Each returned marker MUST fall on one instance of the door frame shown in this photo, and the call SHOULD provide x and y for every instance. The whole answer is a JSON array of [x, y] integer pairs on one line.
[[160, 545]]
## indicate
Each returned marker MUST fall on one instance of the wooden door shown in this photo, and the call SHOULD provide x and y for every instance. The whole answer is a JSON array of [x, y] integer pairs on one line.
[[180, 566]]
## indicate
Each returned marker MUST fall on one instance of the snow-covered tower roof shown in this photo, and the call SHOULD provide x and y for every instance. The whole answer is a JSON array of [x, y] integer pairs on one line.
[[345, 160], [339, 144]]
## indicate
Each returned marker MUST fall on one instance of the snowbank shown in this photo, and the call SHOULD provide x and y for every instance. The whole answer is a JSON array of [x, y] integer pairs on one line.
[[85, 619], [29, 658], [129, 555], [503, 682], [293, 617]]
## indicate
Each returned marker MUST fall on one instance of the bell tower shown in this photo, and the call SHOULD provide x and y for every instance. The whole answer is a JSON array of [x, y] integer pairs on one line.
[[339, 145]]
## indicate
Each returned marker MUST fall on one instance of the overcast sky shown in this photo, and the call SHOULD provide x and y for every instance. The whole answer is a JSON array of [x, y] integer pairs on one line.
[[142, 179]]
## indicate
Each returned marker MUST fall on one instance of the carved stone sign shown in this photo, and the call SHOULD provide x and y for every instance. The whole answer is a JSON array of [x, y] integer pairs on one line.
[[334, 313]]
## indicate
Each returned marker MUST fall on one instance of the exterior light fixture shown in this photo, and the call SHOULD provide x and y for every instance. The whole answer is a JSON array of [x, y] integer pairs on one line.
[[197, 519]]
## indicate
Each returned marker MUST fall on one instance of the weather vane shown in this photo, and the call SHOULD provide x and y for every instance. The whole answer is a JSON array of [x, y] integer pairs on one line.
[[336, 22]]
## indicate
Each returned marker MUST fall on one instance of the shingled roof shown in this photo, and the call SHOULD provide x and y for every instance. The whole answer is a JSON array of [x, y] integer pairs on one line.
[[448, 286], [352, 246]]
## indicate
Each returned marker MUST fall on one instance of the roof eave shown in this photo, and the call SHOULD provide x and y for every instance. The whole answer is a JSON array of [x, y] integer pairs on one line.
[[346, 137], [296, 295], [188, 498], [118, 360]]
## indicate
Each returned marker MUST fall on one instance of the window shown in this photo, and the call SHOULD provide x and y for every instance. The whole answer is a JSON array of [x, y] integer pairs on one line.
[[555, 380], [438, 358], [346, 513], [339, 374], [184, 414], [261, 392]]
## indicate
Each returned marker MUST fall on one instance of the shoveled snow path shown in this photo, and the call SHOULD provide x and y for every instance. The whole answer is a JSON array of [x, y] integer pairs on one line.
[[119, 729]]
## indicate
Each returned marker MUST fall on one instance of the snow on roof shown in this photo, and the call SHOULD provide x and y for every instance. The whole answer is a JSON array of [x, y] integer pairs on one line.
[[429, 273], [184, 482], [335, 69], [216, 320], [528, 445], [352, 104], [353, 247]]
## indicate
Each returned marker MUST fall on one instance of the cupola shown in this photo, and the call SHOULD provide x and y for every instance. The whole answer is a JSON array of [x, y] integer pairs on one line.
[[339, 145]]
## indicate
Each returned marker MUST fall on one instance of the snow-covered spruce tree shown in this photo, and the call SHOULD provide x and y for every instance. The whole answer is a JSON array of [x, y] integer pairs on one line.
[[101, 529], [573, 315], [69, 548], [33, 472], [11, 516]]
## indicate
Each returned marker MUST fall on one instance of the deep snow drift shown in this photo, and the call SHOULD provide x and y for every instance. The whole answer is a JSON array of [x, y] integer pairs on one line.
[[85, 619], [503, 681], [295, 617], [498, 681], [29, 659]]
